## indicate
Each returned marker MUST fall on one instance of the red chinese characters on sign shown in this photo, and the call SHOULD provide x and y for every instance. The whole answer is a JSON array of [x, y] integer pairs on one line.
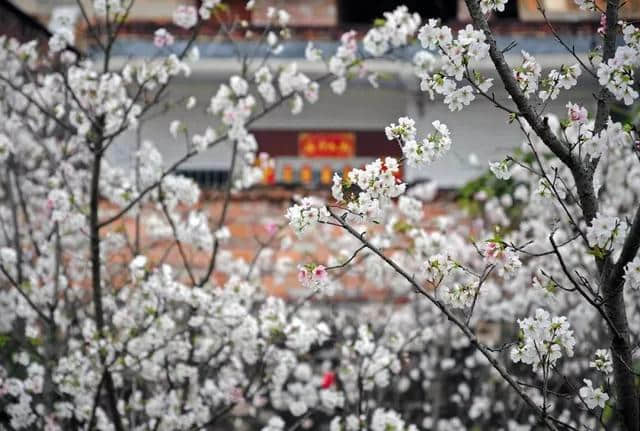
[[338, 145]]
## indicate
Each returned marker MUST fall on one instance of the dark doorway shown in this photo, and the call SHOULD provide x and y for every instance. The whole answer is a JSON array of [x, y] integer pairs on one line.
[[366, 11], [510, 10]]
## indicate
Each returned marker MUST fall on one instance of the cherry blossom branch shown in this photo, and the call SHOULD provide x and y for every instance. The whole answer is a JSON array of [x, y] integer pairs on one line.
[[96, 401], [590, 300], [40, 107], [552, 185], [521, 248], [577, 393], [26, 214], [628, 253], [491, 98], [15, 222], [261, 248], [468, 333], [223, 215], [96, 282], [346, 262], [483, 277], [174, 230], [583, 176], [90, 27], [572, 49], [22, 293], [191, 154]]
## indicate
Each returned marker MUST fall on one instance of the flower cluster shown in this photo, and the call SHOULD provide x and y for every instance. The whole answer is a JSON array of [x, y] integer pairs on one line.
[[343, 60], [457, 54], [543, 340], [423, 63], [102, 96], [565, 78], [418, 152], [497, 253], [313, 276], [612, 137], [436, 267], [589, 5], [185, 16], [487, 6], [154, 73], [593, 397], [278, 18], [527, 74], [110, 7], [384, 420], [312, 53], [233, 103], [501, 169], [206, 7], [632, 274], [304, 216], [137, 267], [606, 232], [461, 294], [293, 83], [577, 114], [397, 29], [162, 38], [368, 192], [411, 208], [61, 39], [602, 361], [617, 74]]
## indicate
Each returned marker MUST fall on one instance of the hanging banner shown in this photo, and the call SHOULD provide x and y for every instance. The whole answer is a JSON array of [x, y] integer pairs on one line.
[[306, 174], [337, 145], [287, 174]]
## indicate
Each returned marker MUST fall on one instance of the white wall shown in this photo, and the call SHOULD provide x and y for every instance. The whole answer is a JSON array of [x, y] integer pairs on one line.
[[479, 128]]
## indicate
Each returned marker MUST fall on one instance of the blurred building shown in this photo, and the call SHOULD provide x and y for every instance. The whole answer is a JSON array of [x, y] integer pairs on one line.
[[18, 24], [340, 132]]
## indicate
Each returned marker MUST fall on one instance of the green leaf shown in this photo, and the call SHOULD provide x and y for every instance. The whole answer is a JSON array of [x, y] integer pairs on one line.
[[401, 226], [597, 252], [4, 340], [379, 22], [608, 412], [222, 7]]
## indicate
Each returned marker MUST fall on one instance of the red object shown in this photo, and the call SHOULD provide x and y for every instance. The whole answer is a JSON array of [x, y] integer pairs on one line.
[[345, 171], [287, 174], [341, 145], [367, 143], [306, 174], [328, 379], [398, 174], [269, 175], [326, 175]]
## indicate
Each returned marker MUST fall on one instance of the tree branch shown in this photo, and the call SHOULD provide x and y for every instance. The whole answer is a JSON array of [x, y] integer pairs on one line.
[[473, 339]]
